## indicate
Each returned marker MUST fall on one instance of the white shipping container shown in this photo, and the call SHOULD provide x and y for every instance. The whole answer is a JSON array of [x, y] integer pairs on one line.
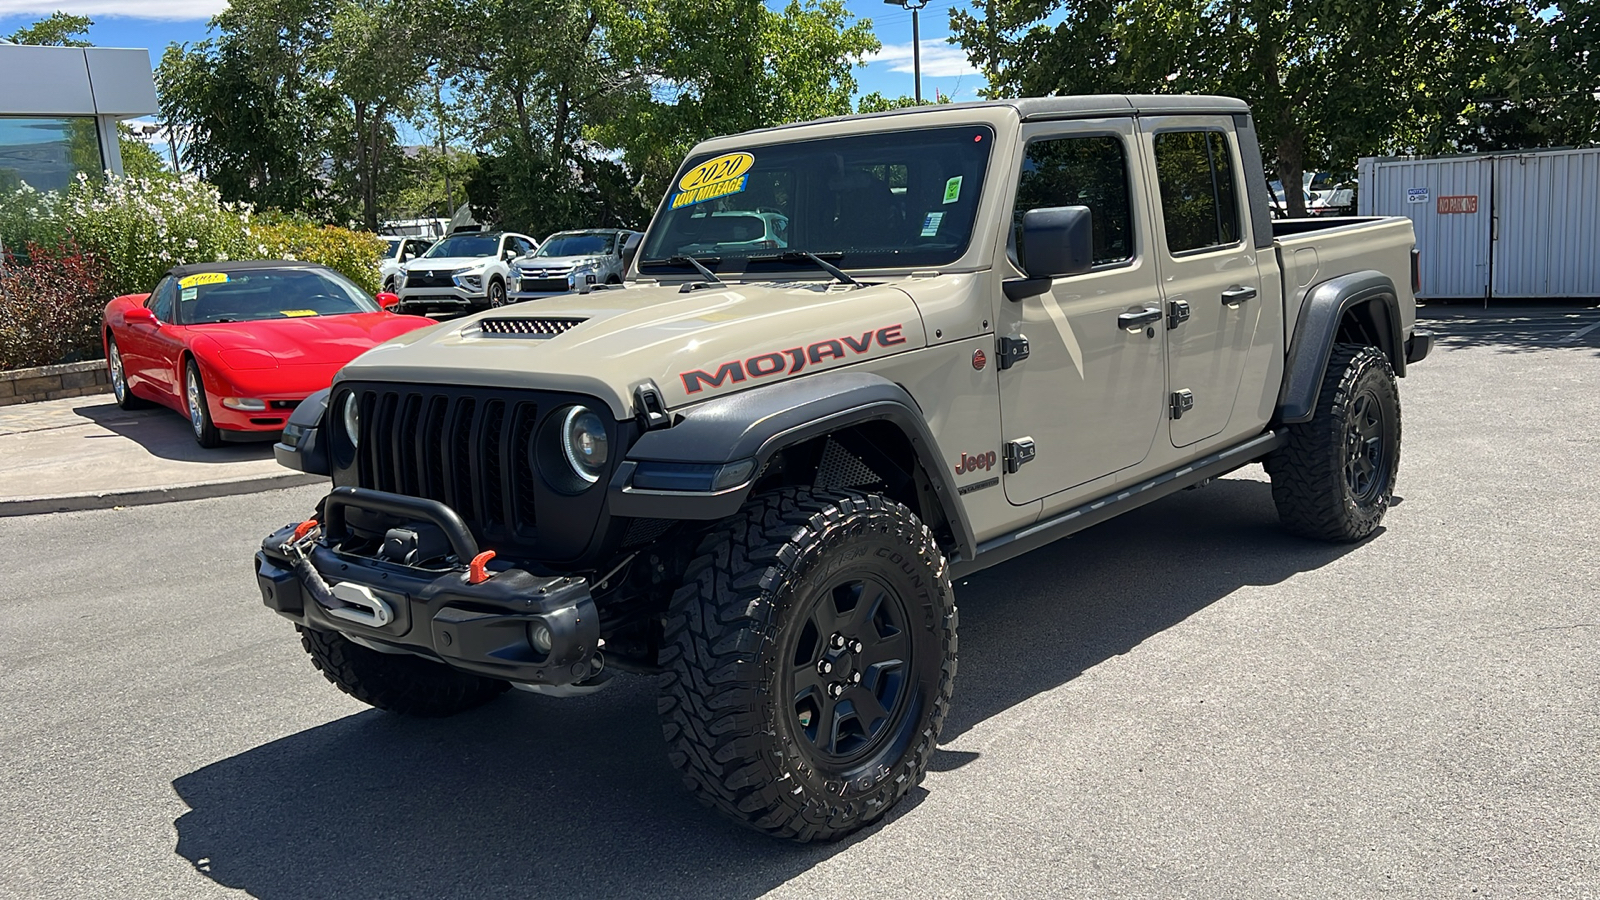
[[1522, 225]]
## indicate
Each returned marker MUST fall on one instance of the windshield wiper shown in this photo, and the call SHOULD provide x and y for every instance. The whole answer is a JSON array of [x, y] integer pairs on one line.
[[710, 276], [814, 259]]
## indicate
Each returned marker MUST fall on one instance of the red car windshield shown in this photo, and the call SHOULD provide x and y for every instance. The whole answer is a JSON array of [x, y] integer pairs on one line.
[[266, 294]]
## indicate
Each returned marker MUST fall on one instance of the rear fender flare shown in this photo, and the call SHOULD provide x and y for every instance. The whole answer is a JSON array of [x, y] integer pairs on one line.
[[1372, 294], [757, 424]]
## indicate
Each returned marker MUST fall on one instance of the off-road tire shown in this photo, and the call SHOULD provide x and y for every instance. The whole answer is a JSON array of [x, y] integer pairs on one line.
[[407, 685], [735, 627], [1310, 483]]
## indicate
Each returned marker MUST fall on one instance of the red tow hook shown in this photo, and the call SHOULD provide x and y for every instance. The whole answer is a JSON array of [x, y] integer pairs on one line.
[[478, 571], [303, 529]]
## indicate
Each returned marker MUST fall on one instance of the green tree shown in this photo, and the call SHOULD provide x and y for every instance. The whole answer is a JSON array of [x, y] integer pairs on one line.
[[257, 117], [723, 66], [56, 30], [1328, 80]]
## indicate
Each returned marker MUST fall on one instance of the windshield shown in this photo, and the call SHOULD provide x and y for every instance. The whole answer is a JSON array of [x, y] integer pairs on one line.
[[465, 245], [881, 200], [577, 244], [267, 294]]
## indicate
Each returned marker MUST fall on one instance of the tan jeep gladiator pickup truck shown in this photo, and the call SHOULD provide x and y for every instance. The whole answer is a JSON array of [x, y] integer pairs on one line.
[[852, 359]]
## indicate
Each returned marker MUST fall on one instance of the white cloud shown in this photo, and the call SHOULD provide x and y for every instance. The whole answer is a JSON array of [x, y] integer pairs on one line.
[[133, 9], [939, 59]]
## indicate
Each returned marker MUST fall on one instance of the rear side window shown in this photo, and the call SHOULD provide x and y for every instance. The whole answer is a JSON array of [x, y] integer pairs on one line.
[[1087, 171], [1199, 203]]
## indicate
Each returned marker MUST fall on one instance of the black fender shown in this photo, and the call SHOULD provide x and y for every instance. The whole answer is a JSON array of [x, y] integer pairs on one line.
[[303, 446], [1318, 328], [738, 434]]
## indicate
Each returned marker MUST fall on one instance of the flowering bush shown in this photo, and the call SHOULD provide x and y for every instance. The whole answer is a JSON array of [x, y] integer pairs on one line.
[[50, 308], [138, 228]]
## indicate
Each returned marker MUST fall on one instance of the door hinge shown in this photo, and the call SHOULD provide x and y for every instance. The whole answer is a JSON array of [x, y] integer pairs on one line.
[[1018, 453], [1012, 351], [1177, 313], [1182, 402]]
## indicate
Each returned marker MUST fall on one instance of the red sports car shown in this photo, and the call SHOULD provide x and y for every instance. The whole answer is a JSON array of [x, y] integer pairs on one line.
[[237, 345]]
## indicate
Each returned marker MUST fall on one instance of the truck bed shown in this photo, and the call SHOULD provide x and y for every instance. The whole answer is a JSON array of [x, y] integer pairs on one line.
[[1311, 251]]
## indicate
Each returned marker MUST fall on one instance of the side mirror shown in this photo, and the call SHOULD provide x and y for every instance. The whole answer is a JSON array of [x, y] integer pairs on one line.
[[388, 300], [630, 248], [139, 315], [1056, 242]]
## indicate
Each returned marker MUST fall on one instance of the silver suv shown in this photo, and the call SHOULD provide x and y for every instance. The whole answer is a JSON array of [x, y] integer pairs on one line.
[[572, 261]]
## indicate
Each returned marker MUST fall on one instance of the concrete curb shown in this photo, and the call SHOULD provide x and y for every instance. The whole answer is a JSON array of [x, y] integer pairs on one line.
[[31, 506]]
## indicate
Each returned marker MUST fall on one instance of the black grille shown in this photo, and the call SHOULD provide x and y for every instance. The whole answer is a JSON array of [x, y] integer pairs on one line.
[[468, 453], [527, 326], [430, 278], [544, 285]]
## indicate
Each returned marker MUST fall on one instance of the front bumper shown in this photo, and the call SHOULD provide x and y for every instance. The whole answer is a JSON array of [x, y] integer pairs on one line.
[[441, 296], [485, 628]]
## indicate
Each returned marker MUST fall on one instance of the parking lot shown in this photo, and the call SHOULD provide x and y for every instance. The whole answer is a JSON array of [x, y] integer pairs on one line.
[[1183, 702]]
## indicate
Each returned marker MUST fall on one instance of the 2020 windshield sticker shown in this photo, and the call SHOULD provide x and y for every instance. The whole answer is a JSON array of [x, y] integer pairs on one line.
[[719, 177], [203, 278]]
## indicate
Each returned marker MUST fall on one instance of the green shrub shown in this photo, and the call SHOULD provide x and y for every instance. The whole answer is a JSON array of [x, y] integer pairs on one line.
[[353, 253]]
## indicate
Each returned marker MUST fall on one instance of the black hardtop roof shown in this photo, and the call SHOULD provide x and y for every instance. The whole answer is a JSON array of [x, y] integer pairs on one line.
[[1076, 106], [243, 265]]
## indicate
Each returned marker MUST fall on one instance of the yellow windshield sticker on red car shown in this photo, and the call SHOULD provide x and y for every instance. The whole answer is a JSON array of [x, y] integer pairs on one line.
[[726, 174], [297, 313], [203, 278]]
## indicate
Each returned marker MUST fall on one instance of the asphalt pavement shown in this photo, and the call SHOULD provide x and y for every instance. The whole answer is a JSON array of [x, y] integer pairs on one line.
[[1183, 702]]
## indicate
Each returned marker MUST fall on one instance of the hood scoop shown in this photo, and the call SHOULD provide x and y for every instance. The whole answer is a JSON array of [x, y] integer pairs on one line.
[[527, 326]]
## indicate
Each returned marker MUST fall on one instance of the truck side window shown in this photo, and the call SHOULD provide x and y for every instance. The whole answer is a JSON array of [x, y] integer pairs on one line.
[[1080, 171], [1198, 199]]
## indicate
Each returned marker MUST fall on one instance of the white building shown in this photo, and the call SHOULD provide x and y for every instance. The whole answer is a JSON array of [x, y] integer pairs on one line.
[[59, 109]]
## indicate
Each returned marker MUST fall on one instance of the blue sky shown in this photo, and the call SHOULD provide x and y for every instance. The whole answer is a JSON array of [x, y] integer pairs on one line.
[[154, 24]]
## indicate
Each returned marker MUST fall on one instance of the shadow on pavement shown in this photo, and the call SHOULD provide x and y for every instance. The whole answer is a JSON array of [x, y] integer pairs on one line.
[[1514, 328], [164, 433], [534, 796]]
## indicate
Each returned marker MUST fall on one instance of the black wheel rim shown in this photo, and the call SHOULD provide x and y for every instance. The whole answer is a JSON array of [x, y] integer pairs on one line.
[[1366, 450], [849, 670], [497, 295]]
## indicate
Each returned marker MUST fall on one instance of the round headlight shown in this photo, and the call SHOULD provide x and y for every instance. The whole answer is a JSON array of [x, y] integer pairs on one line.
[[583, 439], [352, 419]]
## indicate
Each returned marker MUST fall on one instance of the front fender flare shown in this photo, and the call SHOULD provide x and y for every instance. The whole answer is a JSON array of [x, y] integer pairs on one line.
[[756, 424]]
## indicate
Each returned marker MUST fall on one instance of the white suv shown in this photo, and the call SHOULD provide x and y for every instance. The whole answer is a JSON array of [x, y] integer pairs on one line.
[[466, 270], [401, 251]]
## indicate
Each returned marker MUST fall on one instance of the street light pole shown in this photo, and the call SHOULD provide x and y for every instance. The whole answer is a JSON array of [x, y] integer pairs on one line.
[[916, 41]]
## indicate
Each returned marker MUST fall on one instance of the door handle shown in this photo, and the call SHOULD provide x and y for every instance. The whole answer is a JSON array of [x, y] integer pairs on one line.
[[1235, 294], [1133, 321]]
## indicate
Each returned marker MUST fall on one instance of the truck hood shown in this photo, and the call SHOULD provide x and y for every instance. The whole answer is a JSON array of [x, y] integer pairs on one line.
[[694, 346]]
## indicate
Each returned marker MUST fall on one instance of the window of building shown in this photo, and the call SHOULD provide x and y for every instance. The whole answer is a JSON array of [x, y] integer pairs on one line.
[[48, 153], [1199, 203], [1087, 171]]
